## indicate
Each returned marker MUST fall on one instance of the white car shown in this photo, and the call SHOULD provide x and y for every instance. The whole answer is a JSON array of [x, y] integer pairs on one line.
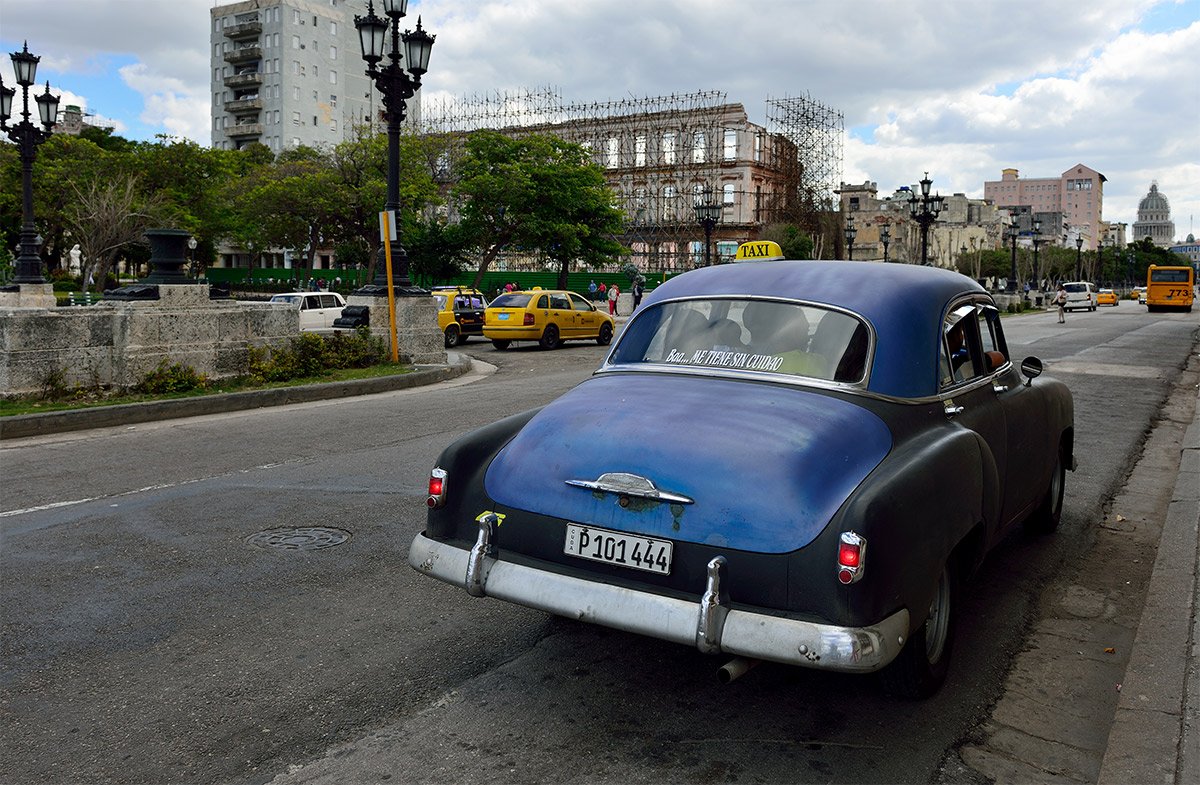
[[317, 309], [1081, 294]]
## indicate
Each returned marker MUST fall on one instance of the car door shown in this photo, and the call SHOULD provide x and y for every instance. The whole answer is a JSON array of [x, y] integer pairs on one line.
[[1024, 418], [563, 316], [331, 308], [310, 312], [587, 318], [968, 401]]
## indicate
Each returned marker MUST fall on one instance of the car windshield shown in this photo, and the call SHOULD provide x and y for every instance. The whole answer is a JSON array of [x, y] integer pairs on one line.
[[294, 299], [749, 335], [440, 299], [515, 300]]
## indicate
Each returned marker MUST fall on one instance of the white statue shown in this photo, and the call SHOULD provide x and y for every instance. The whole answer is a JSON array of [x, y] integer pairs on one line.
[[76, 260]]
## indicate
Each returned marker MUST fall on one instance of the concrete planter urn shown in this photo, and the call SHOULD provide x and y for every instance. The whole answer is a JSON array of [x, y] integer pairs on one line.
[[168, 255]]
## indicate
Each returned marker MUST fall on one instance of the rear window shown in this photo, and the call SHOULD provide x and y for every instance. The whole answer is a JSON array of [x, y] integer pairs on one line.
[[517, 300], [1169, 276], [749, 335], [1076, 287]]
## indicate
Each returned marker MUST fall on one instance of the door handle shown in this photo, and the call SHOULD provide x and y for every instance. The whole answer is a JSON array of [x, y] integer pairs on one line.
[[999, 388], [951, 410]]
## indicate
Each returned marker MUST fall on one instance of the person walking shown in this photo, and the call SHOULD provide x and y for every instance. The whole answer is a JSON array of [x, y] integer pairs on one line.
[[614, 292], [638, 289], [592, 290], [1060, 299]]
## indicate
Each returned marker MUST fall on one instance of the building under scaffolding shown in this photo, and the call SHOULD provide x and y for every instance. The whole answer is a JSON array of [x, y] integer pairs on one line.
[[663, 155]]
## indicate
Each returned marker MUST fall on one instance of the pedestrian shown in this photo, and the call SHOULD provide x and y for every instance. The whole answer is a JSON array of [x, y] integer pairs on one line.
[[638, 288], [1060, 299], [508, 287], [592, 290], [614, 292], [603, 291]]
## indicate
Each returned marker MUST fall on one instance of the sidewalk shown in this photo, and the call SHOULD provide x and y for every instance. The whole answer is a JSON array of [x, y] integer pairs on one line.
[[1155, 736]]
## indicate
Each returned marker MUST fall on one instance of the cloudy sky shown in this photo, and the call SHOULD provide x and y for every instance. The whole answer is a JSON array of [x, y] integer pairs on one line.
[[958, 88]]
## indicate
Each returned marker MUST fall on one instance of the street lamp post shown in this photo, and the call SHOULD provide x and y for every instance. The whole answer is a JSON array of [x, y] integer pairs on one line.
[[396, 85], [885, 236], [27, 137], [924, 211], [708, 214], [192, 256], [1079, 258], [1013, 231], [1037, 241], [851, 232]]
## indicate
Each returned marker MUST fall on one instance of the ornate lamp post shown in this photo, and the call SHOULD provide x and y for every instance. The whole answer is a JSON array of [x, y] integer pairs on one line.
[[1013, 231], [708, 214], [1037, 241], [27, 137], [885, 236], [396, 85], [192, 256], [924, 211], [1079, 258], [851, 232]]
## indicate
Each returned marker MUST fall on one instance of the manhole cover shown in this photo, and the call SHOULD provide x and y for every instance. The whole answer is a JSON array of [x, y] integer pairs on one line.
[[303, 538]]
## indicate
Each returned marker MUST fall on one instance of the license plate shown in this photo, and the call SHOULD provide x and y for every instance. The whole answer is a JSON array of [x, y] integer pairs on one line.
[[502, 317], [626, 550]]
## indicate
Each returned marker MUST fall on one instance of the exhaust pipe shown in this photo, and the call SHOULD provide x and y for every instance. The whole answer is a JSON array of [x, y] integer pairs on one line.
[[735, 668]]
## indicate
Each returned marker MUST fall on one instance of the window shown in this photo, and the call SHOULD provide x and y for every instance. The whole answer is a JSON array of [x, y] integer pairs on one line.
[[758, 147], [639, 150], [296, 93], [612, 152], [296, 18], [314, 119], [295, 118], [668, 147], [333, 101], [333, 28], [333, 77], [727, 194], [333, 53], [295, 42], [295, 66], [698, 142], [669, 195], [333, 125], [316, 71], [961, 355], [729, 148]]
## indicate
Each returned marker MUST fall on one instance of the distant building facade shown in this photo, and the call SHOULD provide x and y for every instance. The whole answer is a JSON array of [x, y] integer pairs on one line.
[[1077, 194], [287, 73], [1154, 219]]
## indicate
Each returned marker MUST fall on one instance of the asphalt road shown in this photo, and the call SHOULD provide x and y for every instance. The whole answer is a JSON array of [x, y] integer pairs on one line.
[[149, 638]]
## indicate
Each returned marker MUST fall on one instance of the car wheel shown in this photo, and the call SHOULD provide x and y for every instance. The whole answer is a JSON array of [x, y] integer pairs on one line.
[[550, 337], [452, 335], [500, 344], [605, 336], [921, 667], [1049, 512]]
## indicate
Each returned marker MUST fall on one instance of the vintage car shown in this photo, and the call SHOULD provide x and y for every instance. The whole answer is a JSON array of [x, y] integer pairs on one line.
[[1107, 297], [317, 309], [794, 461], [460, 312], [548, 316]]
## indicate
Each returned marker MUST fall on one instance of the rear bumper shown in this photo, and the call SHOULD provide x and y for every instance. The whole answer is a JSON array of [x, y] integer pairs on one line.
[[708, 625], [516, 333]]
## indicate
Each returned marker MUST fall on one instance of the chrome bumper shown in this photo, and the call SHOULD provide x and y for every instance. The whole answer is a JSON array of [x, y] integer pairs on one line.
[[710, 625]]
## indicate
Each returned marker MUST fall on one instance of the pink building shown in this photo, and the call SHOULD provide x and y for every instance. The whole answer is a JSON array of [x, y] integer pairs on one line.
[[1077, 193]]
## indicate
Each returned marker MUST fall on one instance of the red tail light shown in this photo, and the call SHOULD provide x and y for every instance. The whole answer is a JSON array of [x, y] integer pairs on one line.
[[437, 488], [851, 558], [528, 319]]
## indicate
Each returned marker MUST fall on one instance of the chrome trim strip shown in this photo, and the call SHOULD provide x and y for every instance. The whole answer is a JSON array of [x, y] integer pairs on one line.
[[713, 609], [626, 484], [746, 633]]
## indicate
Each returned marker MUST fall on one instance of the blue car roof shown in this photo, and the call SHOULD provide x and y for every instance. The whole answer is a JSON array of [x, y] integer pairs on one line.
[[904, 304]]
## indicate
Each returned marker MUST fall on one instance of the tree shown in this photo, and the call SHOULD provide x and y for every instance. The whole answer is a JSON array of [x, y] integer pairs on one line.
[[437, 251], [537, 191], [105, 217], [793, 241]]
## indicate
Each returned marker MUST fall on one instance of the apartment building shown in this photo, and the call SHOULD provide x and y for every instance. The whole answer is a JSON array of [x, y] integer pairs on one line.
[[1077, 193], [287, 73]]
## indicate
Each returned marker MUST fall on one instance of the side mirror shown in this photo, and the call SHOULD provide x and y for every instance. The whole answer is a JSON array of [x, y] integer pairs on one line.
[[1032, 368]]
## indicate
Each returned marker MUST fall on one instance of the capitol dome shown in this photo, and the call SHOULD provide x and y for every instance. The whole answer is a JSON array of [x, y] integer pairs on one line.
[[1154, 219], [1155, 202]]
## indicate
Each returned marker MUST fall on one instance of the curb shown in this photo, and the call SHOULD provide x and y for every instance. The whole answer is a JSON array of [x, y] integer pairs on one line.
[[22, 425], [1155, 736]]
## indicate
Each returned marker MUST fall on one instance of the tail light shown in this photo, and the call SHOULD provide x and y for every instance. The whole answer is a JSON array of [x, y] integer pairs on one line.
[[528, 319], [851, 558], [437, 488]]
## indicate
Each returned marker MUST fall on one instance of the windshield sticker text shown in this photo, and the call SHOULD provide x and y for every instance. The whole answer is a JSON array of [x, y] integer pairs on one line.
[[721, 359]]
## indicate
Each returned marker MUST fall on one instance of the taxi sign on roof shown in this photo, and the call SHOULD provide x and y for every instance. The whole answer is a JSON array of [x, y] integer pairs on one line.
[[758, 251]]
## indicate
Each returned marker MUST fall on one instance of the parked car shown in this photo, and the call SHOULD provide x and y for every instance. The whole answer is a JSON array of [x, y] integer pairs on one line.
[[460, 312], [1107, 297], [1137, 293], [548, 316], [799, 462], [317, 309], [1081, 295]]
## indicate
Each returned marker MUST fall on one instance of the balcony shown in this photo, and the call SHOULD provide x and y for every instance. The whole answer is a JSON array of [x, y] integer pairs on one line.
[[244, 104], [244, 54], [244, 80], [244, 129], [244, 28]]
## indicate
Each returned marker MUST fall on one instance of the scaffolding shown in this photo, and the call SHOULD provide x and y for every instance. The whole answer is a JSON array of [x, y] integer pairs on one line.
[[662, 155]]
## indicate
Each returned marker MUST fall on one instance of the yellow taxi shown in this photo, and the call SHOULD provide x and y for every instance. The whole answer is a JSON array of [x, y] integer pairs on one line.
[[1107, 297], [460, 312], [1137, 293], [548, 316]]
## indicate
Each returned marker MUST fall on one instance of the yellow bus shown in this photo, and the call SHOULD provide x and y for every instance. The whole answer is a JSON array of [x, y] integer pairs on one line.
[[1170, 287]]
